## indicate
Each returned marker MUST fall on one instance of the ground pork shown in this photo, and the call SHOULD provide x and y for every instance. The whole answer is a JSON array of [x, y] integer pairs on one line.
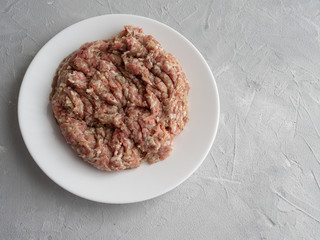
[[120, 101]]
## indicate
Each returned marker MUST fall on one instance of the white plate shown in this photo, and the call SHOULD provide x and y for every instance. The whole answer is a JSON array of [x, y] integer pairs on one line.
[[56, 158]]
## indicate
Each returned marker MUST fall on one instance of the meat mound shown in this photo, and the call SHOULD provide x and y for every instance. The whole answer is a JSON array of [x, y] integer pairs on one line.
[[120, 101]]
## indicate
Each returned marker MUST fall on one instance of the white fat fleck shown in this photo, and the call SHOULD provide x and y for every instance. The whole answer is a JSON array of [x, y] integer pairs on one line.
[[117, 158], [90, 90], [152, 142], [171, 115], [98, 153], [168, 66], [153, 104], [68, 102]]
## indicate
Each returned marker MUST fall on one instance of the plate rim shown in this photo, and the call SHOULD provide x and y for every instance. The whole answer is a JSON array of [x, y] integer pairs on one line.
[[172, 186]]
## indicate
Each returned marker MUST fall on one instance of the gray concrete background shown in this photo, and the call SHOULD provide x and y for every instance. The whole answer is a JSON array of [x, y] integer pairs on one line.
[[261, 178]]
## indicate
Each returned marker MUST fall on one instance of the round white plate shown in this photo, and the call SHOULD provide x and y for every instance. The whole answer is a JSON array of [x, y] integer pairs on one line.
[[56, 158]]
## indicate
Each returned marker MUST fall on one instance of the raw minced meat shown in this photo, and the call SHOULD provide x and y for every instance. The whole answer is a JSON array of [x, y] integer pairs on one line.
[[120, 101]]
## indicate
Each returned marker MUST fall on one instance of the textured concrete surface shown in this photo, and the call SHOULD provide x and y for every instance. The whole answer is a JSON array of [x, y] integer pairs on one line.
[[261, 179]]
